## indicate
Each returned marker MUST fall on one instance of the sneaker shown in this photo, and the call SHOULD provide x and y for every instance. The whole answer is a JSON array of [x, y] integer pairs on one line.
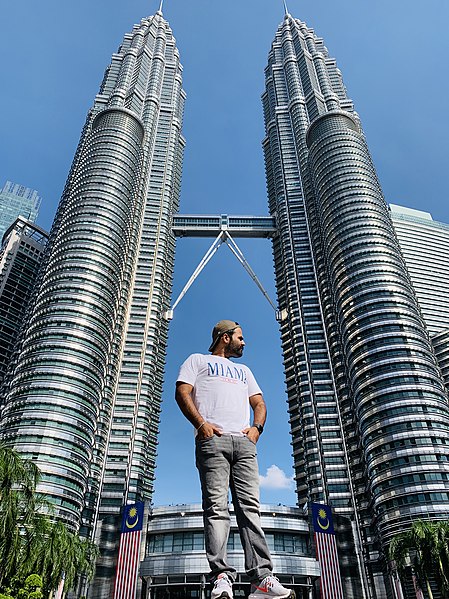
[[222, 588], [271, 587]]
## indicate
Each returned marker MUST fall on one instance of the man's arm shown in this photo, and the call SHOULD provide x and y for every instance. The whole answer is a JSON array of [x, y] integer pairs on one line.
[[260, 415], [185, 402]]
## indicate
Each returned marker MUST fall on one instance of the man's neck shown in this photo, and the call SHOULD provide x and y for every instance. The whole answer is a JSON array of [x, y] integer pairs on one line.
[[220, 353]]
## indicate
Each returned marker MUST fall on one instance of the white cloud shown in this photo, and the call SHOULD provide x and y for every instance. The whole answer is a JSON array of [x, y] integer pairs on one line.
[[275, 478]]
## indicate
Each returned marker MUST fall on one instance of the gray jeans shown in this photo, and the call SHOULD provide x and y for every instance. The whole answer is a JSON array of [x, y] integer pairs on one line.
[[230, 462]]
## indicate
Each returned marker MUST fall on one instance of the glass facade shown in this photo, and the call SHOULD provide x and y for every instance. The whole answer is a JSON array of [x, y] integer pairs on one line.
[[440, 343], [20, 258], [17, 200], [358, 361], [175, 561], [425, 247], [189, 541], [201, 225], [84, 401]]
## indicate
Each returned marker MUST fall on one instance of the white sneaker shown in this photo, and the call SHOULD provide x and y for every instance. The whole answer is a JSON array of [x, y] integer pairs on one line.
[[271, 587], [222, 588]]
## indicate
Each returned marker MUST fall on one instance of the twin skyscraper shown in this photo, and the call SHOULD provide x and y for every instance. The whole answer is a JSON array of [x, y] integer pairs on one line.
[[368, 405]]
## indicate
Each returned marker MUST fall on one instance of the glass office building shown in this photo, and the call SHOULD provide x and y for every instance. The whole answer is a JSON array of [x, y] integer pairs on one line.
[[17, 200], [425, 246], [85, 399], [21, 253], [368, 408]]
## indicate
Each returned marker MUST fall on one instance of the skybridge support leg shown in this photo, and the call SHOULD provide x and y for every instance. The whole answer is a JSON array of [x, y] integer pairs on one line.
[[225, 237], [168, 314]]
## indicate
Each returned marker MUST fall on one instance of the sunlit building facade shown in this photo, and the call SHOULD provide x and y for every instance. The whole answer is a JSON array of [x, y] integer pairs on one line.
[[425, 246], [440, 342], [368, 409], [17, 200], [21, 254], [85, 399]]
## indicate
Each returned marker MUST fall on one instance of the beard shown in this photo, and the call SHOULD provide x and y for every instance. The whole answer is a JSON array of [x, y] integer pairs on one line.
[[235, 350]]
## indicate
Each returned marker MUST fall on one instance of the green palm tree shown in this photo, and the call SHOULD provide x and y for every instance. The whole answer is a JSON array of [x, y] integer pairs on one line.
[[425, 546], [18, 480], [441, 556], [62, 554], [34, 535], [30, 541]]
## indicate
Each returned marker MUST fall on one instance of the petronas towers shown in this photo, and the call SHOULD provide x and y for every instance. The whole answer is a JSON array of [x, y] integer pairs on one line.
[[84, 401], [368, 407]]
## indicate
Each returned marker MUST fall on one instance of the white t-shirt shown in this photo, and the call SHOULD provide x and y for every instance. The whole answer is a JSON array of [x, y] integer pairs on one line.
[[221, 391]]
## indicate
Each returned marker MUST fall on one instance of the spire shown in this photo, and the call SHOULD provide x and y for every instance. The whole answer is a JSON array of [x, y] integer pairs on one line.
[[285, 8], [160, 7]]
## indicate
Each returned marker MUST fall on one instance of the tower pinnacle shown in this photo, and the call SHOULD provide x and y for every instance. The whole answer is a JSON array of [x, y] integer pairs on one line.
[[285, 8], [160, 6]]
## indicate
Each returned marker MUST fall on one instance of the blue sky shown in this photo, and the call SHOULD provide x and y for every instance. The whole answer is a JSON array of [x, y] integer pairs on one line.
[[393, 56]]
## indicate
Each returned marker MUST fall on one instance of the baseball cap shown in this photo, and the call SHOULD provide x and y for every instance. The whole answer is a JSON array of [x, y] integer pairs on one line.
[[222, 327]]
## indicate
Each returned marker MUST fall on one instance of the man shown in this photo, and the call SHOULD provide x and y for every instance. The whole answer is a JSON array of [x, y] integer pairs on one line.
[[216, 395]]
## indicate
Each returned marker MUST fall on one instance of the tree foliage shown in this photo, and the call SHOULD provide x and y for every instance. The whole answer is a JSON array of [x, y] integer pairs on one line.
[[18, 480], [32, 544], [424, 547], [32, 588]]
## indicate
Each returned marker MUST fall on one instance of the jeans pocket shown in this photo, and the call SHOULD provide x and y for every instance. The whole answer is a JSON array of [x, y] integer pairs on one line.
[[204, 439]]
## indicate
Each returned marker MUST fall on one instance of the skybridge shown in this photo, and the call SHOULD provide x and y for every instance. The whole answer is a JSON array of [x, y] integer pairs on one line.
[[206, 225], [224, 228]]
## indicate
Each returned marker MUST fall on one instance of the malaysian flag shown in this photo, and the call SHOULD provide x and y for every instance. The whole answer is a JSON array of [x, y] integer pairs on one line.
[[129, 551], [326, 549]]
